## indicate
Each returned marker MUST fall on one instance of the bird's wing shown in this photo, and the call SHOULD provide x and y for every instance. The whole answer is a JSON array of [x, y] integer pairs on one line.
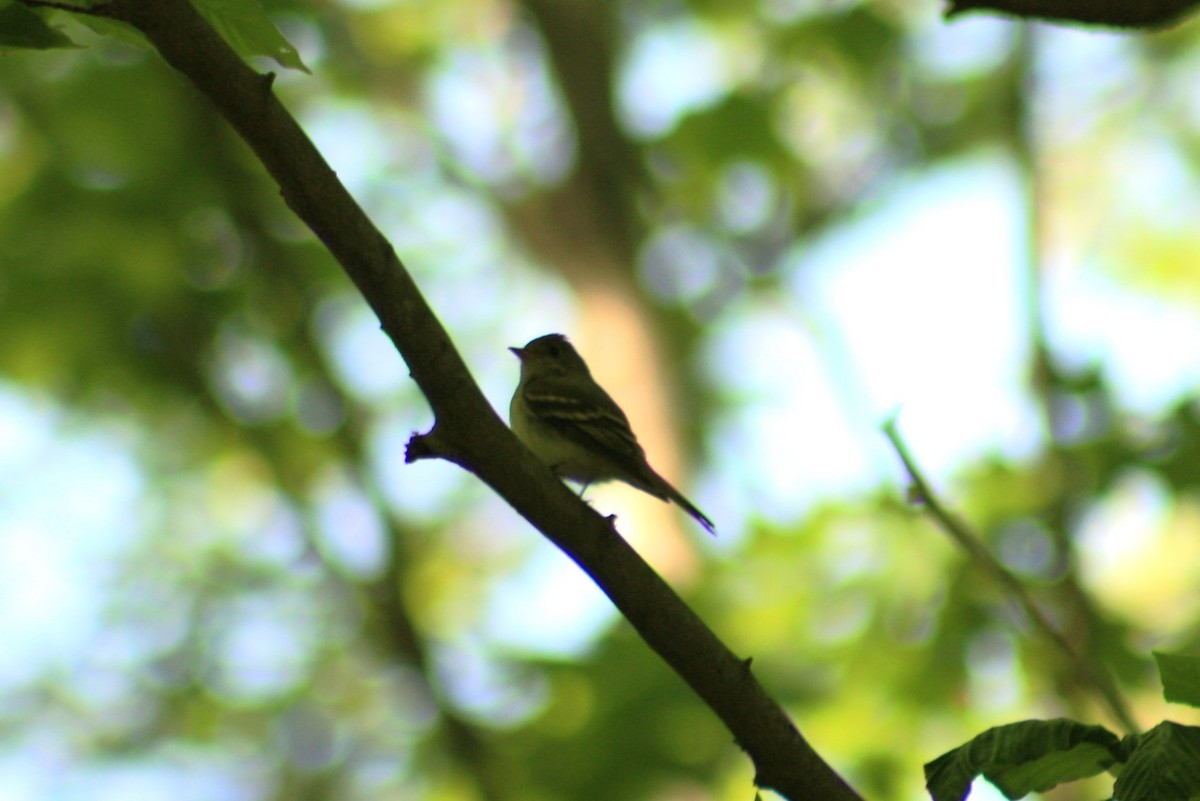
[[586, 415]]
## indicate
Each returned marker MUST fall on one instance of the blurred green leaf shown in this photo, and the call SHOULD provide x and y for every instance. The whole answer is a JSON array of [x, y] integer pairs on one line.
[[1022, 758], [20, 27], [248, 29], [1164, 765], [115, 29], [1180, 675]]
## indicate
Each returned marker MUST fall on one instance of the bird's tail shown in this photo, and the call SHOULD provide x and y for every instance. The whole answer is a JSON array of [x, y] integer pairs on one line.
[[658, 486]]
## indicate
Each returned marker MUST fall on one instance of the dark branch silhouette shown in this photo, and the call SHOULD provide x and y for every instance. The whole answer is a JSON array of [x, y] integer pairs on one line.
[[467, 430], [1147, 14]]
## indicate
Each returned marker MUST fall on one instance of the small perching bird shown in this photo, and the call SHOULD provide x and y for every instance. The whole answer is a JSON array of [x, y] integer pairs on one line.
[[571, 424]]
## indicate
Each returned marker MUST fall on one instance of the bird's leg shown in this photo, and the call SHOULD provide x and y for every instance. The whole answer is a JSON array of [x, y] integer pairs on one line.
[[558, 471]]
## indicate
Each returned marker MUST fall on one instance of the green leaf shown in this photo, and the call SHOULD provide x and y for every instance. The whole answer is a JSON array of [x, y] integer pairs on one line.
[[1164, 765], [21, 27], [115, 29], [249, 31], [1021, 758], [1180, 677]]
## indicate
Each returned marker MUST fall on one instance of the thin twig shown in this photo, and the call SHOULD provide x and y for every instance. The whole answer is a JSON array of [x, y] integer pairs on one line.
[[96, 10], [1094, 675], [1121, 14]]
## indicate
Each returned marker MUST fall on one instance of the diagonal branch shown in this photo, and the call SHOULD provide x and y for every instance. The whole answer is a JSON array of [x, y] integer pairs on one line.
[[467, 430], [1095, 675], [1149, 14]]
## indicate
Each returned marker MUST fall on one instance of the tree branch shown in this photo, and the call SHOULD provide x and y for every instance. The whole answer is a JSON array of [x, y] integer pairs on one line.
[[1095, 676], [467, 427], [94, 9], [1150, 14]]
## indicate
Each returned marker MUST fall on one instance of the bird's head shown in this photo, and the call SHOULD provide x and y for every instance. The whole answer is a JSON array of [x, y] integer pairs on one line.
[[550, 354]]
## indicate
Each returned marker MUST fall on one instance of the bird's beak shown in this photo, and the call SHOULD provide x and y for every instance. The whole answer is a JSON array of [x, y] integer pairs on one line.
[[519, 353]]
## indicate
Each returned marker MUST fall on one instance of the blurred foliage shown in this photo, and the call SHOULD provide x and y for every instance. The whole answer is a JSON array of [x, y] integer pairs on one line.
[[292, 614]]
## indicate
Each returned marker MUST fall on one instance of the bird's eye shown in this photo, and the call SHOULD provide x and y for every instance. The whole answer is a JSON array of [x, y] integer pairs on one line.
[[553, 351]]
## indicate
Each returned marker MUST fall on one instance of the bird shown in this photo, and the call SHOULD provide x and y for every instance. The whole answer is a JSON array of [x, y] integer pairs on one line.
[[569, 422]]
